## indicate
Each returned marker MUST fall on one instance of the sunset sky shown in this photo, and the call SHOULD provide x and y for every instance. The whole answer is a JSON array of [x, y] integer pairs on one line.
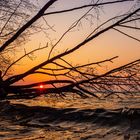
[[105, 46]]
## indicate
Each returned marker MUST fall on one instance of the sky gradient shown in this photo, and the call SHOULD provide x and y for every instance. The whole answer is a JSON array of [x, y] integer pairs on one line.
[[107, 45]]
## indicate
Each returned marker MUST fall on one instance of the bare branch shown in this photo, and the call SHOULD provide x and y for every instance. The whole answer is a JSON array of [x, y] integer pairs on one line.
[[126, 34], [86, 6], [131, 27], [21, 76], [29, 23], [26, 54]]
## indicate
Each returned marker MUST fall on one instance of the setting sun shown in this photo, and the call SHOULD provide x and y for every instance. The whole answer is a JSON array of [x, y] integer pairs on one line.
[[70, 69], [41, 86]]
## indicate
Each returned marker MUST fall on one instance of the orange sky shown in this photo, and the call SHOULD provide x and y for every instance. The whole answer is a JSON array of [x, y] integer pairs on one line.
[[105, 46]]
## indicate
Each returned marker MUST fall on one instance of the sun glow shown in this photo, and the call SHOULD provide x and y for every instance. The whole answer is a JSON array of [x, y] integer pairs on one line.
[[41, 86]]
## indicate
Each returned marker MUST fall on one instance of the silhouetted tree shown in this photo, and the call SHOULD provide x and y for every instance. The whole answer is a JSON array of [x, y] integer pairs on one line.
[[80, 79], [13, 15]]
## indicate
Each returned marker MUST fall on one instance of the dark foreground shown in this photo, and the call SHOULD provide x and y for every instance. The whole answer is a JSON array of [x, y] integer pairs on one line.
[[20, 121]]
